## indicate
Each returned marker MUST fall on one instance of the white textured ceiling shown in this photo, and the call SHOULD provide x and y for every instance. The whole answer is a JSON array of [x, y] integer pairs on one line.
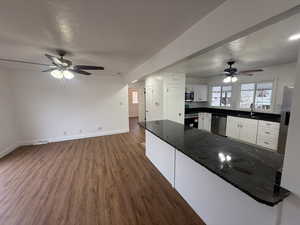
[[266, 47], [116, 34]]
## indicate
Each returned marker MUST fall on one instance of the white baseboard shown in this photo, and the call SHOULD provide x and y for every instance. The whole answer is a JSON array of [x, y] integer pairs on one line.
[[73, 137], [9, 150]]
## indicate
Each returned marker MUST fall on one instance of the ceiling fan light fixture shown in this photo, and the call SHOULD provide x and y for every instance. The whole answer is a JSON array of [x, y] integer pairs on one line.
[[227, 80], [57, 74], [234, 79], [294, 37], [68, 75]]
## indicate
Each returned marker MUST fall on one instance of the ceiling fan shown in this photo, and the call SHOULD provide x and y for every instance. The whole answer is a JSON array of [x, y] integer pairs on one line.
[[232, 72], [61, 67]]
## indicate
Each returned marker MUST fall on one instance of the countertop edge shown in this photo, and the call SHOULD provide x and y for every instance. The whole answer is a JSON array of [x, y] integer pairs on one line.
[[227, 180]]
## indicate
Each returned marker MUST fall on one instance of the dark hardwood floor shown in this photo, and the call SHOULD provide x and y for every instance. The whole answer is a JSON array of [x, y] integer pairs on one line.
[[95, 181]]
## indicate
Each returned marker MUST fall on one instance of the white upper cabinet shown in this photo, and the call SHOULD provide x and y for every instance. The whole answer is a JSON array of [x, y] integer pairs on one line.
[[200, 92]]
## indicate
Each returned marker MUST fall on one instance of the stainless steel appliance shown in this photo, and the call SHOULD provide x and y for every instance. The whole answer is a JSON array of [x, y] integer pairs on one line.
[[285, 118], [218, 124], [189, 96]]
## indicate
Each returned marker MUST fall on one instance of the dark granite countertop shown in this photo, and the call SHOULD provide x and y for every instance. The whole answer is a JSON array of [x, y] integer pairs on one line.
[[251, 169], [239, 113]]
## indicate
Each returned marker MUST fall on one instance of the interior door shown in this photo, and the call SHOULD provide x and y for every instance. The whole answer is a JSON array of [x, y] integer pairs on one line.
[[174, 104], [149, 102]]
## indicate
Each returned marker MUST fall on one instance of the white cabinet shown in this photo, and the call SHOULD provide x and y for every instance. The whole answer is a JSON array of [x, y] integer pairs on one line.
[[162, 155], [260, 132], [204, 121], [268, 133], [216, 201], [232, 127], [248, 130], [200, 92], [242, 129]]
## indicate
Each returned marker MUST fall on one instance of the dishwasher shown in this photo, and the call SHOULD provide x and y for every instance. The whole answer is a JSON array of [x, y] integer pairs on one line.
[[218, 124]]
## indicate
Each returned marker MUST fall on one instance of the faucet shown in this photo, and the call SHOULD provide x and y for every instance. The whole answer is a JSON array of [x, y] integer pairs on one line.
[[251, 109]]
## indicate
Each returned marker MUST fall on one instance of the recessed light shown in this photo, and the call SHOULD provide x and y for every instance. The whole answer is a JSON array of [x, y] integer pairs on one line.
[[294, 37], [134, 81]]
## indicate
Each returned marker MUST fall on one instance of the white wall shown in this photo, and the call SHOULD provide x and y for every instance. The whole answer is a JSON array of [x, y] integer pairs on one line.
[[280, 75], [165, 97], [232, 19], [291, 166], [54, 110], [8, 131]]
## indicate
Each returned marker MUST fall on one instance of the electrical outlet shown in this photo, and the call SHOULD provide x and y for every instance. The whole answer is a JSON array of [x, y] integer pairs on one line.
[[80, 131], [65, 132], [99, 128]]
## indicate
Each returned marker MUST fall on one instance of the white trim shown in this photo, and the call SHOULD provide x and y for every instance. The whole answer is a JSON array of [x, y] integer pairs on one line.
[[59, 139], [73, 137], [9, 150]]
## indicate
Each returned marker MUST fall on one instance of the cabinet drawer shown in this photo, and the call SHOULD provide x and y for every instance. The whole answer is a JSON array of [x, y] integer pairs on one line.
[[268, 133], [266, 142], [268, 125]]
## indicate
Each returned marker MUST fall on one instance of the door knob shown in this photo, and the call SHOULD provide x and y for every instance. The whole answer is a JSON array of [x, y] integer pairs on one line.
[[179, 114]]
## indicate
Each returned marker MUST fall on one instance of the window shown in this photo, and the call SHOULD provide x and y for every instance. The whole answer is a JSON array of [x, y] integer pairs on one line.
[[260, 94], [221, 96], [135, 99]]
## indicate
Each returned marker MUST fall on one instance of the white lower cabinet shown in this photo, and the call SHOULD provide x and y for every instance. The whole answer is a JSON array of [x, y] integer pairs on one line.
[[162, 155], [268, 133], [216, 201], [232, 127], [204, 121], [260, 132], [242, 129]]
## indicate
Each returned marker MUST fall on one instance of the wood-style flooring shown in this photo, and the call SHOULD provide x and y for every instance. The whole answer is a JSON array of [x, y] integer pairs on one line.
[[95, 181]]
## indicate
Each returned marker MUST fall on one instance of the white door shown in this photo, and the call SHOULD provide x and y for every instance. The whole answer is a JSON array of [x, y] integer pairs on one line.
[[174, 106], [174, 90], [149, 102], [154, 102], [248, 131], [233, 127]]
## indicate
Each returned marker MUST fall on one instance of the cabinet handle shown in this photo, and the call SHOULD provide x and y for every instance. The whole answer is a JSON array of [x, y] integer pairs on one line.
[[267, 143], [267, 132]]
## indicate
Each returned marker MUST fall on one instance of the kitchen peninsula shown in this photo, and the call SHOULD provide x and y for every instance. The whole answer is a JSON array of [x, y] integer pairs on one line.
[[223, 180]]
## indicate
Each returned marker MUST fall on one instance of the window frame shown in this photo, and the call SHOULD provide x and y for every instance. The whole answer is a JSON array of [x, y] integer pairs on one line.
[[132, 98], [221, 92], [254, 95]]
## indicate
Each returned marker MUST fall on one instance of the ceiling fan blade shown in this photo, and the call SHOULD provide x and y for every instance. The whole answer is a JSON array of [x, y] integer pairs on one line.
[[84, 67], [49, 70], [80, 72], [55, 60], [21, 61], [251, 71]]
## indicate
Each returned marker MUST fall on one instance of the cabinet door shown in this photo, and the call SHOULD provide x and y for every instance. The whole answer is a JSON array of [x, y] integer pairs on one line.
[[203, 93], [233, 127], [200, 93], [248, 131], [207, 122], [201, 121], [162, 155]]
